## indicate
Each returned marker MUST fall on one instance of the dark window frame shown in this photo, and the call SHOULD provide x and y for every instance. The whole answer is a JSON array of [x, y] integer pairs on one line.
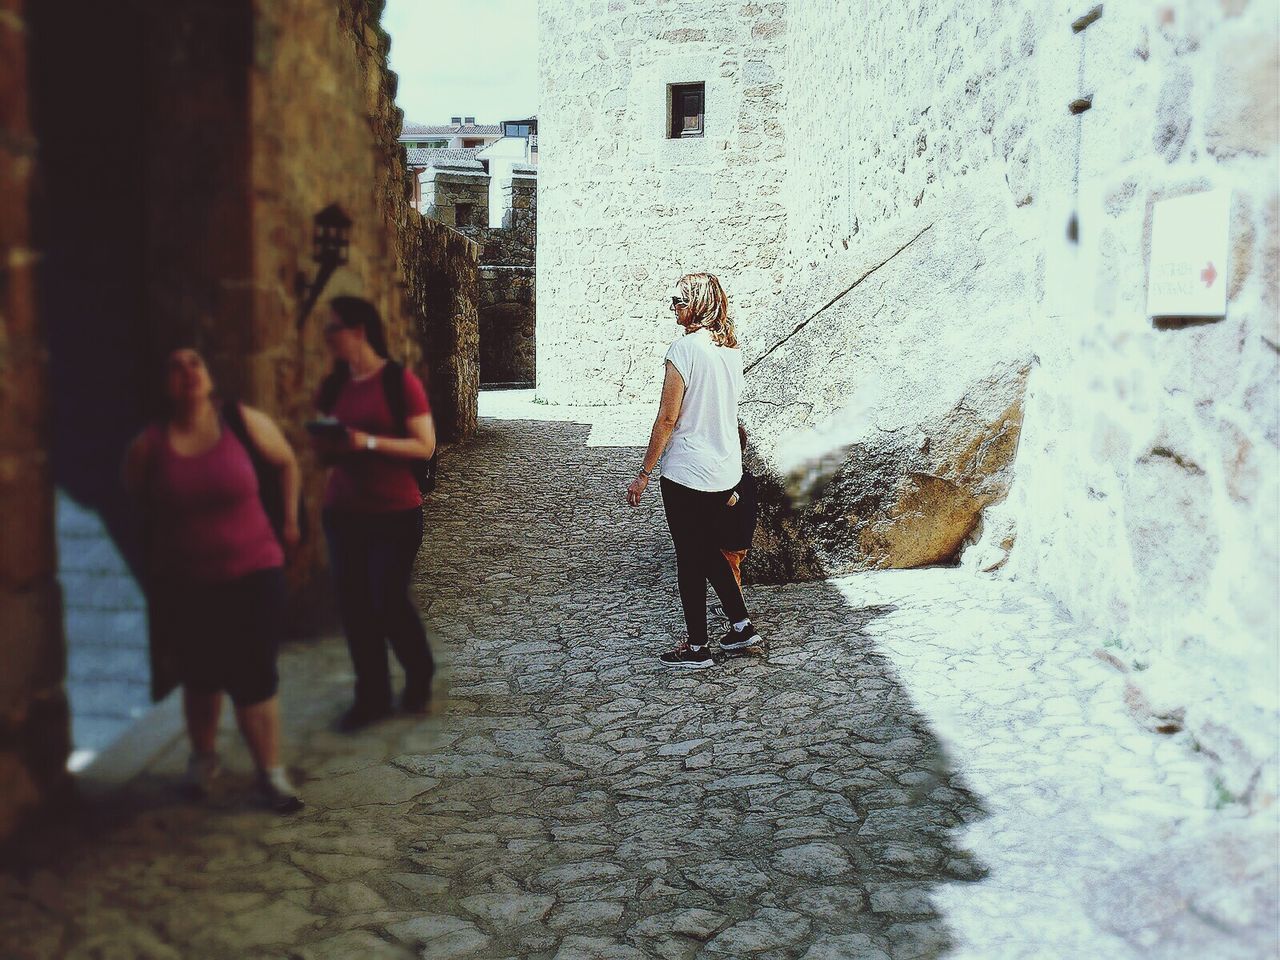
[[682, 98]]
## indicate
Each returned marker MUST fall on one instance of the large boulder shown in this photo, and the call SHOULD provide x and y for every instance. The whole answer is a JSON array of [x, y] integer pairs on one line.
[[891, 499]]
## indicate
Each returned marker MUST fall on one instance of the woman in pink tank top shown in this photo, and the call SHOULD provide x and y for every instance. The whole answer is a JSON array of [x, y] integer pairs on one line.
[[215, 582]]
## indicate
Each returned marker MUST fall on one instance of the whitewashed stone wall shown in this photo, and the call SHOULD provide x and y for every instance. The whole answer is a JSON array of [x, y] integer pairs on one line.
[[633, 210], [1144, 494], [911, 259]]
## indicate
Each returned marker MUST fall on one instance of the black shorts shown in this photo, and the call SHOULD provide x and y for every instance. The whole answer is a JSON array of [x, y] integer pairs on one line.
[[225, 636]]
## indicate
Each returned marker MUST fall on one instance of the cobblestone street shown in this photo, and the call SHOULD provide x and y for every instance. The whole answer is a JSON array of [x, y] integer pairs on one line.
[[914, 764]]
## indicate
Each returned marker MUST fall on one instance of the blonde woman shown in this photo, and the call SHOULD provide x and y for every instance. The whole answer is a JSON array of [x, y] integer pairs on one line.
[[696, 437]]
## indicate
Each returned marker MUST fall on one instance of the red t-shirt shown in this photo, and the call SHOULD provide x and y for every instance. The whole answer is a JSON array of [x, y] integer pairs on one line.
[[369, 482]]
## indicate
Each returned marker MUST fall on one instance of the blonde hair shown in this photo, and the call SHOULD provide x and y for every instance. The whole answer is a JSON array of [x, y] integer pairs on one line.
[[710, 307]]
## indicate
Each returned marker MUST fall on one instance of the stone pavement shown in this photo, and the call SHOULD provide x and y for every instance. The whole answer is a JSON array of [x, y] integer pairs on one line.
[[917, 764]]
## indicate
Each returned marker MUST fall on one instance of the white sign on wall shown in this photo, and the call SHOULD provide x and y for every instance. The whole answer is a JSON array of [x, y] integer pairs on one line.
[[1189, 256]]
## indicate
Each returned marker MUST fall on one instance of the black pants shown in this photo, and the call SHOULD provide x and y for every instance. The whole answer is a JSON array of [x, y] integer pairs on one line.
[[696, 521], [372, 555]]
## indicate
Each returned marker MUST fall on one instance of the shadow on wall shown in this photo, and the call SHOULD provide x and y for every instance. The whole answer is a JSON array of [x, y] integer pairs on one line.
[[89, 219], [507, 347]]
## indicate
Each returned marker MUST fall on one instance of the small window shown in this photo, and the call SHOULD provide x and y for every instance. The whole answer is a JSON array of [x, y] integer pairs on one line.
[[687, 101], [463, 214], [468, 144]]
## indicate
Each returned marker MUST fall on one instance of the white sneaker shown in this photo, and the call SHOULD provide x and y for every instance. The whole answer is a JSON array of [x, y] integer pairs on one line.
[[203, 769], [278, 792]]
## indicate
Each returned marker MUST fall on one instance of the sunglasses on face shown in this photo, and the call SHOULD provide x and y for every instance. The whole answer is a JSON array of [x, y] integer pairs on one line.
[[677, 302]]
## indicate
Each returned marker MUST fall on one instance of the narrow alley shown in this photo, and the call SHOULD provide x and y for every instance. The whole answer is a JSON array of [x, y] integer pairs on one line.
[[570, 798]]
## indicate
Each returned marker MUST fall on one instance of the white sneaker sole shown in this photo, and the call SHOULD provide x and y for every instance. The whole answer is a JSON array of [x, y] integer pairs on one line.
[[754, 641], [688, 664]]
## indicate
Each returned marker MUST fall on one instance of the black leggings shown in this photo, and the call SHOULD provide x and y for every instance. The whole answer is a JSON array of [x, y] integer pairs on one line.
[[695, 519], [372, 555]]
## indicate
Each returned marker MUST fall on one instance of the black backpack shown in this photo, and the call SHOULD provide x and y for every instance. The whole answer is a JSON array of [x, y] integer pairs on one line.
[[424, 471], [270, 489]]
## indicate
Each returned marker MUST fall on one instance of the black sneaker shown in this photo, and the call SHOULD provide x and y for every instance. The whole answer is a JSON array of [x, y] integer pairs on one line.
[[360, 715], [738, 639], [692, 658], [416, 698]]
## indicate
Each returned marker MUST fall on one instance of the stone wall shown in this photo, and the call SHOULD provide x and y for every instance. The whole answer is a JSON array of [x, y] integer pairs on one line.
[[508, 289], [951, 346], [891, 384], [1146, 494], [34, 738], [993, 242], [969, 281], [508, 253], [337, 51], [216, 166], [444, 191], [444, 279], [626, 210], [508, 335], [516, 243]]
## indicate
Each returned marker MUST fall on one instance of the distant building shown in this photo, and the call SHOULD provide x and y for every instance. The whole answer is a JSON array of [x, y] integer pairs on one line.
[[459, 133], [515, 154], [423, 142], [488, 192]]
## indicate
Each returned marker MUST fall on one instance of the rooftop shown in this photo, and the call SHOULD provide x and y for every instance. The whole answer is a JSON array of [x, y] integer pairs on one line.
[[445, 158], [412, 130]]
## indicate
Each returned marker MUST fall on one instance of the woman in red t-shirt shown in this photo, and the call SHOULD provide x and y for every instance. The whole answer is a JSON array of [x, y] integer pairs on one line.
[[373, 510]]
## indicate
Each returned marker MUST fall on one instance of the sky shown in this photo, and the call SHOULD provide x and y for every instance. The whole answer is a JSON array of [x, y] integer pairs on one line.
[[477, 58]]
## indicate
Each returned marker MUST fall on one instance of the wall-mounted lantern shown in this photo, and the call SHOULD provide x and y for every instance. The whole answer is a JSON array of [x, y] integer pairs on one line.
[[330, 243]]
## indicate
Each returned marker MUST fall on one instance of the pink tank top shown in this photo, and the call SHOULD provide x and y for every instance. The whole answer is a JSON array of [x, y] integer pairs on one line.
[[209, 524]]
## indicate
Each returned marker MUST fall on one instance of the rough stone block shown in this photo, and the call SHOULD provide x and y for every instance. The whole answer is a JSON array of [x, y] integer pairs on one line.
[[1245, 114], [17, 168], [14, 100], [1173, 112], [894, 501], [32, 645], [19, 792], [26, 517]]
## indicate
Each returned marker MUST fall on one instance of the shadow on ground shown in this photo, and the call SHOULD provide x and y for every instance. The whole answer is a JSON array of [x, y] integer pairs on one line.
[[573, 799]]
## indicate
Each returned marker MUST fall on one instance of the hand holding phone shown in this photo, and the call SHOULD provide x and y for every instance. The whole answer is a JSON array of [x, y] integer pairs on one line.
[[326, 427]]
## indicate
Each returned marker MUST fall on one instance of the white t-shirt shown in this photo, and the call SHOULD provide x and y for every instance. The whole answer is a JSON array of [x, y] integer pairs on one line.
[[704, 452]]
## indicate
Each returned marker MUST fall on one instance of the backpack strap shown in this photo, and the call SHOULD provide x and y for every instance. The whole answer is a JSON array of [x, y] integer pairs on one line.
[[393, 388], [331, 386], [233, 417], [424, 471]]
